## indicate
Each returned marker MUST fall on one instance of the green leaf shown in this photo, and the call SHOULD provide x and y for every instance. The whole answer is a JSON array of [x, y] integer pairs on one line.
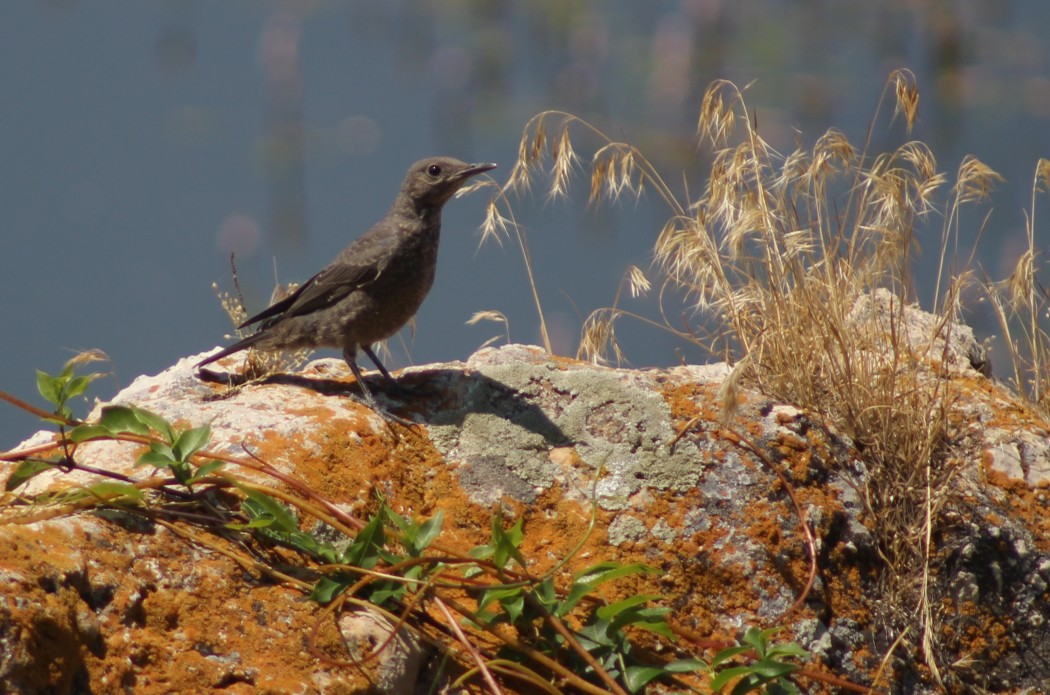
[[159, 456], [78, 385], [108, 490], [636, 677], [726, 675], [727, 654], [587, 580], [781, 687], [747, 684], [262, 505], [686, 666], [547, 595], [276, 521], [182, 472], [786, 650], [48, 387], [154, 422], [612, 610], [758, 639], [325, 551], [206, 469], [598, 633], [506, 542], [66, 374], [607, 571], [60, 417], [121, 419], [190, 442], [386, 591], [403, 524], [768, 668], [113, 488], [260, 522], [364, 551], [496, 594], [511, 599], [327, 589], [514, 606], [25, 471], [658, 625], [429, 530], [83, 433]]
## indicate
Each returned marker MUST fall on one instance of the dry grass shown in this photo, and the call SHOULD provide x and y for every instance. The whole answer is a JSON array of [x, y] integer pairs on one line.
[[258, 364], [785, 257], [1022, 306]]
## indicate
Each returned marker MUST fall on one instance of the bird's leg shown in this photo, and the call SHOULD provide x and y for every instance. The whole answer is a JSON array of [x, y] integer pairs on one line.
[[393, 384], [375, 360], [351, 360], [349, 354]]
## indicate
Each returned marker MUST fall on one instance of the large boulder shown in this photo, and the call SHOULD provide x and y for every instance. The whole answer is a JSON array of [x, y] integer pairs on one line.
[[614, 464]]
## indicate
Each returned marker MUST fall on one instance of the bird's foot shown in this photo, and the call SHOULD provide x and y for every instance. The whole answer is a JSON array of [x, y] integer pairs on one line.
[[369, 402]]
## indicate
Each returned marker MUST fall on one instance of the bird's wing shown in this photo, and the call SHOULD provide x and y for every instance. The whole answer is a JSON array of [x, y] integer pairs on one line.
[[358, 265]]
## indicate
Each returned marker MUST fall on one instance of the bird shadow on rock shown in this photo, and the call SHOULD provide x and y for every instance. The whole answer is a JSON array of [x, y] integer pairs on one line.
[[444, 397]]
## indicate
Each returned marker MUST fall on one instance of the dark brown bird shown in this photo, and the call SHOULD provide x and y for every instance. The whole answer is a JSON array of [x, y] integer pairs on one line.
[[375, 285]]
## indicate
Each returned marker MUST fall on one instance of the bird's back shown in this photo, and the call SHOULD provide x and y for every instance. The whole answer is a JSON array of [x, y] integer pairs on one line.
[[368, 292]]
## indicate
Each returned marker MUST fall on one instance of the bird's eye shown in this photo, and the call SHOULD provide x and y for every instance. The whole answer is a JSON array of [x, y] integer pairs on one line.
[[434, 169]]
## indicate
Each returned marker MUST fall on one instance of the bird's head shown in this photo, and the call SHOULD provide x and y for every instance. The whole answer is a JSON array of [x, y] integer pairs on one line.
[[431, 182]]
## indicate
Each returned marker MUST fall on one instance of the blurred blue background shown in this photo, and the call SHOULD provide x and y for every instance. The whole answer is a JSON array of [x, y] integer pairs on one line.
[[142, 142]]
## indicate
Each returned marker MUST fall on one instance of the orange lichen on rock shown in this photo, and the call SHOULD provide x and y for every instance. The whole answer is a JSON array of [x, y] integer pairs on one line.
[[598, 464]]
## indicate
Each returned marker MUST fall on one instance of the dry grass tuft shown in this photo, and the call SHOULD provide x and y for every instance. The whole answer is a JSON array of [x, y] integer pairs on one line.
[[1022, 307], [258, 364], [803, 263]]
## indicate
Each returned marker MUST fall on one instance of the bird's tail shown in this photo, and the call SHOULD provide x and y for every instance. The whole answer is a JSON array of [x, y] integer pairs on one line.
[[242, 344]]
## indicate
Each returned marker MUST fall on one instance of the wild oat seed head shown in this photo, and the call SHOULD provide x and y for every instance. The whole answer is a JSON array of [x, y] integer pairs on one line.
[[637, 282], [1042, 173], [475, 185], [717, 120], [907, 93], [792, 169], [539, 142], [1021, 283], [88, 356], [599, 170], [495, 225], [488, 315], [564, 161], [975, 180]]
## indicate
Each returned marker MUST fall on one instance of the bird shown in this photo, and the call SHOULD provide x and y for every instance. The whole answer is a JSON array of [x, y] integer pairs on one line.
[[375, 285]]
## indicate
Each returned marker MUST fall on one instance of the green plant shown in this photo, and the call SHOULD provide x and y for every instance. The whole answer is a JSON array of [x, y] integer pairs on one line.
[[768, 672], [537, 609]]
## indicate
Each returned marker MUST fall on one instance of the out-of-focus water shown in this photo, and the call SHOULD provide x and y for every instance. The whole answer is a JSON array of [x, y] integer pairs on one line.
[[141, 142]]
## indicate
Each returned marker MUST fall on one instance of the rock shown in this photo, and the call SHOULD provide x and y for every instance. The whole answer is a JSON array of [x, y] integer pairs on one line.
[[953, 344], [612, 464]]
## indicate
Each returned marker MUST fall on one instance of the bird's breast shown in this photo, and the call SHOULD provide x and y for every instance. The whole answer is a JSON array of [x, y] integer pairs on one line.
[[386, 304]]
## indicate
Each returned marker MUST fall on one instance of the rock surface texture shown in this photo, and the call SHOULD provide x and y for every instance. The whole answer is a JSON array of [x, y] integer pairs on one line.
[[99, 601]]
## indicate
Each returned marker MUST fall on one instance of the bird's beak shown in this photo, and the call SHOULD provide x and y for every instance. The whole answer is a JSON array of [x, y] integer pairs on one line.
[[478, 169]]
